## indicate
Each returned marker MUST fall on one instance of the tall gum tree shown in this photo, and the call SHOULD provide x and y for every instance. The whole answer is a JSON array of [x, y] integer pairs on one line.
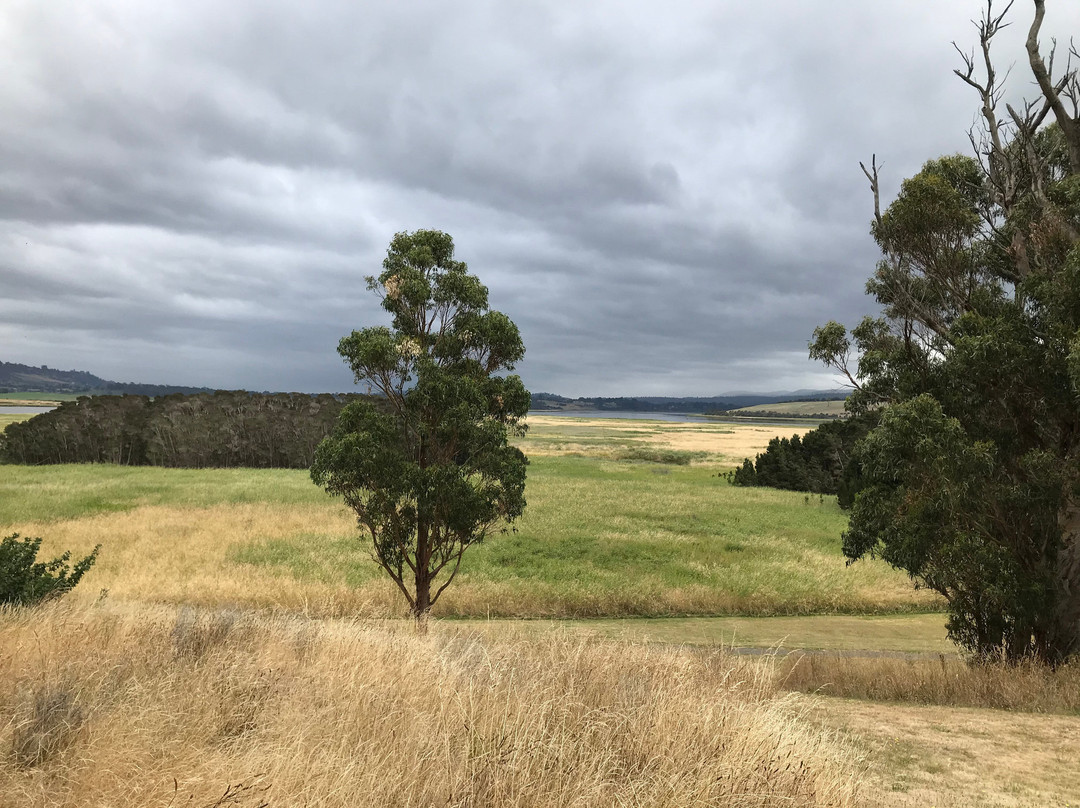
[[971, 480], [427, 468]]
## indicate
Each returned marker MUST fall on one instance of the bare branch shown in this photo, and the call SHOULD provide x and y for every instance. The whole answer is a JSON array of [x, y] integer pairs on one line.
[[1070, 125], [872, 175]]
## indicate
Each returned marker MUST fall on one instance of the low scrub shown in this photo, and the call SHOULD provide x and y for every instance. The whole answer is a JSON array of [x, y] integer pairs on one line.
[[25, 581], [947, 681], [359, 714]]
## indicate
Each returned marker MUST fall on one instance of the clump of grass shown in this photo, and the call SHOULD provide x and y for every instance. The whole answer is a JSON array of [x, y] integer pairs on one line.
[[378, 716], [195, 633], [658, 454], [945, 681], [51, 718]]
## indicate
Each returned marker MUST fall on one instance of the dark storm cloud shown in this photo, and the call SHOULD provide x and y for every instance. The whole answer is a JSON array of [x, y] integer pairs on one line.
[[665, 199]]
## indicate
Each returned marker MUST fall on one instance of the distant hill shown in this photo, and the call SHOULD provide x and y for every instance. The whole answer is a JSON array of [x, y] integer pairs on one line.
[[814, 408], [16, 378], [552, 402]]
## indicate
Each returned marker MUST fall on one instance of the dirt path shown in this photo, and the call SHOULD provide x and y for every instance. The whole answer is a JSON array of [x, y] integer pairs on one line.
[[951, 757]]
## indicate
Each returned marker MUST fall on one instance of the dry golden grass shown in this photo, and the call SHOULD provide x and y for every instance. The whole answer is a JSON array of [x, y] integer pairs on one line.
[[947, 680], [123, 707], [188, 555], [950, 757], [180, 555], [729, 443]]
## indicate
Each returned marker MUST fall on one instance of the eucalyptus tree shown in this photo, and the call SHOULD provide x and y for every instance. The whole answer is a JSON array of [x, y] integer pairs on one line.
[[427, 467], [971, 478]]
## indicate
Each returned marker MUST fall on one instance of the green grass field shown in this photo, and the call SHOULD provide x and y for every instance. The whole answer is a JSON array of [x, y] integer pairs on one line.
[[630, 535], [624, 519]]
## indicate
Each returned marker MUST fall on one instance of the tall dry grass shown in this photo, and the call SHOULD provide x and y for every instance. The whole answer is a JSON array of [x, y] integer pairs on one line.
[[945, 681], [100, 706]]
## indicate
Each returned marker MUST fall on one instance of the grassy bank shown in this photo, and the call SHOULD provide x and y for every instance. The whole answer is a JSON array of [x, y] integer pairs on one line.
[[101, 707]]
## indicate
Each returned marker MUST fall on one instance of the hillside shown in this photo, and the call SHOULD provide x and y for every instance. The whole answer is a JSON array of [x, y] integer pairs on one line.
[[17, 378], [793, 409]]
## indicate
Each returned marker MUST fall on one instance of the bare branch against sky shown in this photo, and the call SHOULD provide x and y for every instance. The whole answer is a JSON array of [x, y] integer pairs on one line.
[[665, 197]]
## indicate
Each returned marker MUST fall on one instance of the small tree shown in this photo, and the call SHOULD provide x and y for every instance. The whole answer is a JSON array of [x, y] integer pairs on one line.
[[25, 581], [428, 469]]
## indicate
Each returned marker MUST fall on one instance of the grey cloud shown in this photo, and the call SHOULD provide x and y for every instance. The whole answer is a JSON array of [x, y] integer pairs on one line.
[[666, 199]]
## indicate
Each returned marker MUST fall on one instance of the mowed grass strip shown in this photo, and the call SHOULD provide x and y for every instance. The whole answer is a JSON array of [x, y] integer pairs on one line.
[[958, 757], [904, 633], [599, 538]]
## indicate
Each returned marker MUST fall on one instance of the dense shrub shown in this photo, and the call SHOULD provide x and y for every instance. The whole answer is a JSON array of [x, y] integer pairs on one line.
[[821, 461], [222, 429], [25, 581]]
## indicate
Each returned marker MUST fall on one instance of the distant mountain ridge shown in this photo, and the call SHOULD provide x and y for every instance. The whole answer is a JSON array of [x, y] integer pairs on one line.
[[551, 402], [16, 378]]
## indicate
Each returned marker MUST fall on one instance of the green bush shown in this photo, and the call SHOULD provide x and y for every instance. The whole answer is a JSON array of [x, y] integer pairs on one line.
[[25, 581]]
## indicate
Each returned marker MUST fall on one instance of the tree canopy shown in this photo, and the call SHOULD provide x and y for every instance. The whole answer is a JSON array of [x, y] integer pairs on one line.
[[428, 470], [221, 429], [971, 478]]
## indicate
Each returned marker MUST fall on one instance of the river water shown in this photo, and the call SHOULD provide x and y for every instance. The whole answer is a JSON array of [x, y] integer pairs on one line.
[[24, 410]]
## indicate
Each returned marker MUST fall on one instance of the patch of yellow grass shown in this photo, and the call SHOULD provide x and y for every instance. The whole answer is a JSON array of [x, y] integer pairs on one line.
[[731, 443], [11, 418], [960, 758], [722, 442], [1030, 687], [166, 707], [181, 555], [178, 555]]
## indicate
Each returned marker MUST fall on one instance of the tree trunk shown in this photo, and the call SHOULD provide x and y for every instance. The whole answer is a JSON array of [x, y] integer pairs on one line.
[[1067, 616], [422, 601]]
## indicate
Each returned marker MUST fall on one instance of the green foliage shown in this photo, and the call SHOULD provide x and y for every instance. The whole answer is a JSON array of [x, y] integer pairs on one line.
[[431, 472], [221, 430], [970, 480], [820, 462], [25, 581]]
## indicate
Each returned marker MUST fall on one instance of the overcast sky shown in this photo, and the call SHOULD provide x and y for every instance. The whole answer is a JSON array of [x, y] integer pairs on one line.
[[665, 197]]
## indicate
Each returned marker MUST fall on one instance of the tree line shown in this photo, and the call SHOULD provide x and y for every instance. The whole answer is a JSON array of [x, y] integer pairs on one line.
[[220, 429]]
